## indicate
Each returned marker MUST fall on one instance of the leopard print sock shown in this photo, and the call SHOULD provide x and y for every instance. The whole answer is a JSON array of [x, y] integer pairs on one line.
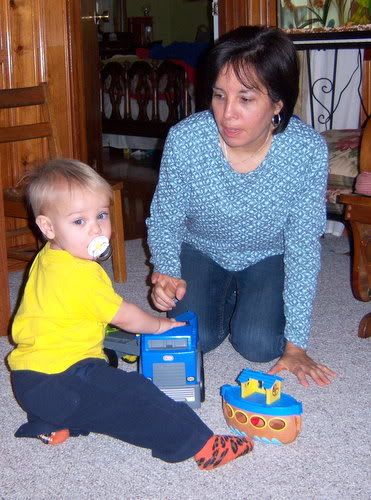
[[220, 450]]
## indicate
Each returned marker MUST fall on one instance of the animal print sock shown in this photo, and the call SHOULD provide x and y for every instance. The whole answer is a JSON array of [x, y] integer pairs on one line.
[[56, 437], [220, 450]]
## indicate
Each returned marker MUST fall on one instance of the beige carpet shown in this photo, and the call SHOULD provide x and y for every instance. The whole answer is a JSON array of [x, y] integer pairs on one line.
[[329, 460]]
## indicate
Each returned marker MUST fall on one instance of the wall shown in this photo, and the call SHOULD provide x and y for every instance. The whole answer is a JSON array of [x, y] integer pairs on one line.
[[186, 16], [173, 20]]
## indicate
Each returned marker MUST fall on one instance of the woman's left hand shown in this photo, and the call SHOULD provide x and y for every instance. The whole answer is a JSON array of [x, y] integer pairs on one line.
[[296, 361]]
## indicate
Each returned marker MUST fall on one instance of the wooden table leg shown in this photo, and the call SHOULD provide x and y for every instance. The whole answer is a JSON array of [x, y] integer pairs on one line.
[[4, 286], [118, 239], [361, 275]]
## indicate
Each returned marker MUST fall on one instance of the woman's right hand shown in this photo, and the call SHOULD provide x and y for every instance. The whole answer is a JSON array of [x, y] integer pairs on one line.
[[166, 291]]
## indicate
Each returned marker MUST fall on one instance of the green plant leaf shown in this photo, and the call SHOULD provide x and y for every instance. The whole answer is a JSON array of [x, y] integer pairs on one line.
[[326, 8], [314, 12], [308, 23], [316, 19]]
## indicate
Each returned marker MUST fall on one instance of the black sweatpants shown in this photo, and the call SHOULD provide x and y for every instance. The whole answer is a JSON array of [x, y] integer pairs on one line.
[[91, 396]]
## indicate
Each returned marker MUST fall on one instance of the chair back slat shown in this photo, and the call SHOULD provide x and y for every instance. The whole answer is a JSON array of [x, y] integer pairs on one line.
[[25, 96], [25, 132]]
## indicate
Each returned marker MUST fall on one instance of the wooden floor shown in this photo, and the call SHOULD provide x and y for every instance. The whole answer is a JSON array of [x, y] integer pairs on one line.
[[140, 179]]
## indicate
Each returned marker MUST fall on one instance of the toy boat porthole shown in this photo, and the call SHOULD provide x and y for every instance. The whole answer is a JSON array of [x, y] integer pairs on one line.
[[257, 422], [277, 424], [241, 417]]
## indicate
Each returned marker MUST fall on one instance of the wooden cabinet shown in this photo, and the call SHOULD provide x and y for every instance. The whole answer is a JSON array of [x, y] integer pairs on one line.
[[42, 45], [38, 37], [142, 28], [44, 40], [234, 13]]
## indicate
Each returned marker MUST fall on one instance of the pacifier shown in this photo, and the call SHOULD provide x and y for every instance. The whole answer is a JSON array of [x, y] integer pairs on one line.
[[99, 248]]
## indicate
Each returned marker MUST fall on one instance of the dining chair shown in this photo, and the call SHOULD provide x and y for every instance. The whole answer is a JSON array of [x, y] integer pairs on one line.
[[14, 203]]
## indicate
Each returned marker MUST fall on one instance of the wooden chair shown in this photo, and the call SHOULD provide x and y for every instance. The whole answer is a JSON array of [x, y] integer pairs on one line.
[[14, 202], [358, 214], [147, 85], [13, 198]]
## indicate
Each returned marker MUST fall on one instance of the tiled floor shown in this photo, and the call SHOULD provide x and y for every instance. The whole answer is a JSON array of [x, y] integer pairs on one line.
[[140, 178]]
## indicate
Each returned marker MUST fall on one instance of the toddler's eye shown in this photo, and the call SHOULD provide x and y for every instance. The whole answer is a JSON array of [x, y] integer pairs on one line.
[[78, 222], [103, 215]]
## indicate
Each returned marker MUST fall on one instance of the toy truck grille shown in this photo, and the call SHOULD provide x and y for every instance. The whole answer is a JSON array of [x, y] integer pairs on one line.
[[169, 374], [188, 395]]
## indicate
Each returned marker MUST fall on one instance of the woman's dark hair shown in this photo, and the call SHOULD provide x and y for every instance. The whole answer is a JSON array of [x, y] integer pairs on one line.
[[269, 53]]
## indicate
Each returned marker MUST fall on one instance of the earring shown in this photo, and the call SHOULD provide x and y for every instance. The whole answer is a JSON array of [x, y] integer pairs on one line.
[[276, 120]]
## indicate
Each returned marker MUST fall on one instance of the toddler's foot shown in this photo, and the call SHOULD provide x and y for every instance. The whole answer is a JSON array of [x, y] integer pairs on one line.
[[56, 437], [219, 450]]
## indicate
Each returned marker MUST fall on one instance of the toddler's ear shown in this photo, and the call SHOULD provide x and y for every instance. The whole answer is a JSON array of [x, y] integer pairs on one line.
[[46, 227]]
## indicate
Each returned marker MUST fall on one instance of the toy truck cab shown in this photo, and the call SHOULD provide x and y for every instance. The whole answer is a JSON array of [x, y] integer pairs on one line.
[[173, 361]]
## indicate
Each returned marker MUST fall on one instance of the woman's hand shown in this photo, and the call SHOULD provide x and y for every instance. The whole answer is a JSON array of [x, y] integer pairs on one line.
[[166, 291], [296, 361]]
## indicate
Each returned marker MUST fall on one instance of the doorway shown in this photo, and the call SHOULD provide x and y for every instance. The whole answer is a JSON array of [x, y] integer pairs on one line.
[[139, 172]]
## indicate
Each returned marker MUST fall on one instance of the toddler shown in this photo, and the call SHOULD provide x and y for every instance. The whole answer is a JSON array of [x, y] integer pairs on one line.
[[59, 372]]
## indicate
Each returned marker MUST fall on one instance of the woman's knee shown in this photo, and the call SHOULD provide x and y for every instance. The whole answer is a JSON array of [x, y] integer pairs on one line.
[[208, 341], [259, 348]]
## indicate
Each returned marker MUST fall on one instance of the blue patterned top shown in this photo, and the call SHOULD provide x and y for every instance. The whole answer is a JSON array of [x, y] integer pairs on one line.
[[238, 219]]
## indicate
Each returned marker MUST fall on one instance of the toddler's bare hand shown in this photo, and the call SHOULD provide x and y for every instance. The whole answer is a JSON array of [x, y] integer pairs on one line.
[[166, 324]]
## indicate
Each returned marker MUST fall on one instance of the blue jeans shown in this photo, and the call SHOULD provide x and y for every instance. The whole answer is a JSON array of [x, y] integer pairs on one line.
[[247, 305], [91, 396]]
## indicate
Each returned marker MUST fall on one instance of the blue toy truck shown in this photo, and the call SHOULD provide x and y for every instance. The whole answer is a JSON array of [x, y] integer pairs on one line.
[[172, 360]]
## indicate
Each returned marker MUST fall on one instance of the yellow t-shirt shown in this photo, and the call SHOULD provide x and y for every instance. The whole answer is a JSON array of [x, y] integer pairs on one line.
[[65, 308]]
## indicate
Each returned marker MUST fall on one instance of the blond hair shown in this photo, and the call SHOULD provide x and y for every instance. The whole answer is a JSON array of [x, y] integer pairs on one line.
[[45, 183]]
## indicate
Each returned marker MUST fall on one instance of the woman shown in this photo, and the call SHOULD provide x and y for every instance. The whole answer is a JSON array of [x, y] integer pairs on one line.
[[240, 206]]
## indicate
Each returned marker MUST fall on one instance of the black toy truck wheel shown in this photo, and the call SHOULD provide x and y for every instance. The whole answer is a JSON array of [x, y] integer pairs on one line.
[[112, 357]]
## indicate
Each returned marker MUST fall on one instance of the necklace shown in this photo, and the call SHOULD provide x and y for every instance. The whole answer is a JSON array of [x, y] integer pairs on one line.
[[224, 147]]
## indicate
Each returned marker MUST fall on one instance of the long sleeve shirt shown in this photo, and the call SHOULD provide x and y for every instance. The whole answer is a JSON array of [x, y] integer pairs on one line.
[[238, 219]]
